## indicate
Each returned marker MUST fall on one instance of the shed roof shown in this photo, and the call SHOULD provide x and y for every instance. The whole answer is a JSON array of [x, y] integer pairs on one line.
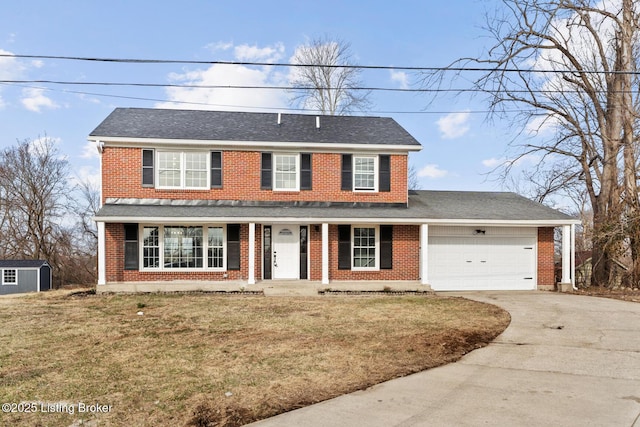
[[423, 206], [22, 263], [251, 127]]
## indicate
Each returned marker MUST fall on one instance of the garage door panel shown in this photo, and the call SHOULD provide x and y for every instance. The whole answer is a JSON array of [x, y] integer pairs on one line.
[[481, 262]]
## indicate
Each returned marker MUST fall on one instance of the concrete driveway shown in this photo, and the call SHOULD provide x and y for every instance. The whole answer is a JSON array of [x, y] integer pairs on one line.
[[564, 360]]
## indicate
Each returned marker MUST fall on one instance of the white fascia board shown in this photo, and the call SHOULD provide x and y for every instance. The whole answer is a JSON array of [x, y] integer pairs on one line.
[[319, 220], [247, 145]]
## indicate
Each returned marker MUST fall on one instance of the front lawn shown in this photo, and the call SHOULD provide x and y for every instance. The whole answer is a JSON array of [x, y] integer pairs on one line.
[[194, 359]]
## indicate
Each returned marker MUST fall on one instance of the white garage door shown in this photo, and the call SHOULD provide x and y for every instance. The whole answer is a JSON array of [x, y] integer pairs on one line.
[[482, 262]]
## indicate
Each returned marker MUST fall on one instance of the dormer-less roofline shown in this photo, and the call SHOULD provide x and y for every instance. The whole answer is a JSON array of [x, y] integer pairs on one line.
[[197, 128]]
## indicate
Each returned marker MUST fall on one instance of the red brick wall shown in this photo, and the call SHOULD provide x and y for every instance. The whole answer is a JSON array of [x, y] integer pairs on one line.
[[406, 257], [115, 272], [114, 251], [546, 276], [122, 177], [315, 252]]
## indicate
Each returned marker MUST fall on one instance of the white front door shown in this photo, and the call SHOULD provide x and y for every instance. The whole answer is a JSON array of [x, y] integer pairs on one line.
[[286, 252]]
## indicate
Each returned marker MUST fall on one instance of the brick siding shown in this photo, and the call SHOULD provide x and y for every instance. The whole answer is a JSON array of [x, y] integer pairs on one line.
[[115, 272], [122, 177], [406, 257], [546, 276]]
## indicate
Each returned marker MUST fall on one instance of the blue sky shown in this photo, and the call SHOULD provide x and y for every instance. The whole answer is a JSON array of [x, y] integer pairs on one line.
[[460, 147]]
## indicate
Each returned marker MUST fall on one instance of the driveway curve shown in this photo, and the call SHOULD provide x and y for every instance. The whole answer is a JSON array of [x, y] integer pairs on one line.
[[565, 360]]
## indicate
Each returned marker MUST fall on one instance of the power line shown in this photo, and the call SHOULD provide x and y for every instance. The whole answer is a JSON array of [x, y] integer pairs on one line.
[[137, 98], [285, 64], [297, 88]]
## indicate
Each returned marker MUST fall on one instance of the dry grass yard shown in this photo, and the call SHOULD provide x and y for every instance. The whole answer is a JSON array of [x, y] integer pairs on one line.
[[203, 359]]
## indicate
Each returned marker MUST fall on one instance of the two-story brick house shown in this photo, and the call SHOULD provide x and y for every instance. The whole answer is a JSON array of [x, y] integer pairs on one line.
[[206, 198]]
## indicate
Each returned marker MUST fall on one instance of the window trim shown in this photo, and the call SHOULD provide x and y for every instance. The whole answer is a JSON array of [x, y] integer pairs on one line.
[[205, 247], [376, 228], [15, 275], [274, 172], [376, 168], [183, 170]]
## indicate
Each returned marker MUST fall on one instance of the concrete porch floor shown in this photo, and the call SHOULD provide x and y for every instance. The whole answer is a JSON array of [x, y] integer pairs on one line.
[[268, 287]]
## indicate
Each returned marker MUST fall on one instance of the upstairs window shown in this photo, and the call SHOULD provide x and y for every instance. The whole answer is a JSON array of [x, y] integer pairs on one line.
[[286, 177], [365, 173], [183, 170]]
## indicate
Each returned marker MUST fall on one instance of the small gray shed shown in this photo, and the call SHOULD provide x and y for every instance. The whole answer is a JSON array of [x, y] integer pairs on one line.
[[24, 275]]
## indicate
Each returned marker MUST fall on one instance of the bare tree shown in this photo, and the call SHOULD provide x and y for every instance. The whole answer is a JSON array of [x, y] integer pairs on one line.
[[326, 81], [568, 67], [33, 179], [413, 180], [39, 216]]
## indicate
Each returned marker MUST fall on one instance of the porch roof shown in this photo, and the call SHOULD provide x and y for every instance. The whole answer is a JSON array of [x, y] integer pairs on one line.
[[423, 207]]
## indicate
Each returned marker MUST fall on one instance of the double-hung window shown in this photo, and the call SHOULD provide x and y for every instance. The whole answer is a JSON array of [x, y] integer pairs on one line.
[[365, 172], [215, 243], [10, 277], [183, 170], [286, 172], [151, 247], [365, 249]]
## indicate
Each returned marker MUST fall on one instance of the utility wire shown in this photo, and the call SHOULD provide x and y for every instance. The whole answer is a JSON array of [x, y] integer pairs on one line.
[[294, 88], [137, 98], [285, 64]]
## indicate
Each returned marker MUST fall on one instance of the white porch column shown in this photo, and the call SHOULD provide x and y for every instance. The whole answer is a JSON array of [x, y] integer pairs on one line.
[[325, 254], [424, 252], [252, 254], [102, 256], [573, 255], [566, 254]]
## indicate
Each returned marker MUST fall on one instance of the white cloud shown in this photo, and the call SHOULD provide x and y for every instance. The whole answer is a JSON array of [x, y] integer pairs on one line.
[[34, 100], [400, 77], [541, 125], [10, 69], [90, 151], [493, 162], [231, 75], [454, 125], [254, 53], [214, 47], [88, 174], [432, 171], [40, 143]]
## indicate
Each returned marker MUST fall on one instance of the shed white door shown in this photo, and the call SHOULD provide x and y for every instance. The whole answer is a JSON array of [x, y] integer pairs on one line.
[[482, 262]]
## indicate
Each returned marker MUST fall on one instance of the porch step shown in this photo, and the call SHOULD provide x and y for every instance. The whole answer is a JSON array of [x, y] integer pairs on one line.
[[291, 290]]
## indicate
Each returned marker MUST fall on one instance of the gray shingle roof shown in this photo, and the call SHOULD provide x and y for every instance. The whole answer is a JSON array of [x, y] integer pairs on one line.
[[423, 205], [253, 127], [21, 263]]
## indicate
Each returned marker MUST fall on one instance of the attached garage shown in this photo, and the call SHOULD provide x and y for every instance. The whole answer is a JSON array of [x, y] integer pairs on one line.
[[482, 258]]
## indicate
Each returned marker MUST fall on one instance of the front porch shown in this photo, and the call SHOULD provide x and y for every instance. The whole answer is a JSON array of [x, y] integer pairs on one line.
[[267, 287]]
